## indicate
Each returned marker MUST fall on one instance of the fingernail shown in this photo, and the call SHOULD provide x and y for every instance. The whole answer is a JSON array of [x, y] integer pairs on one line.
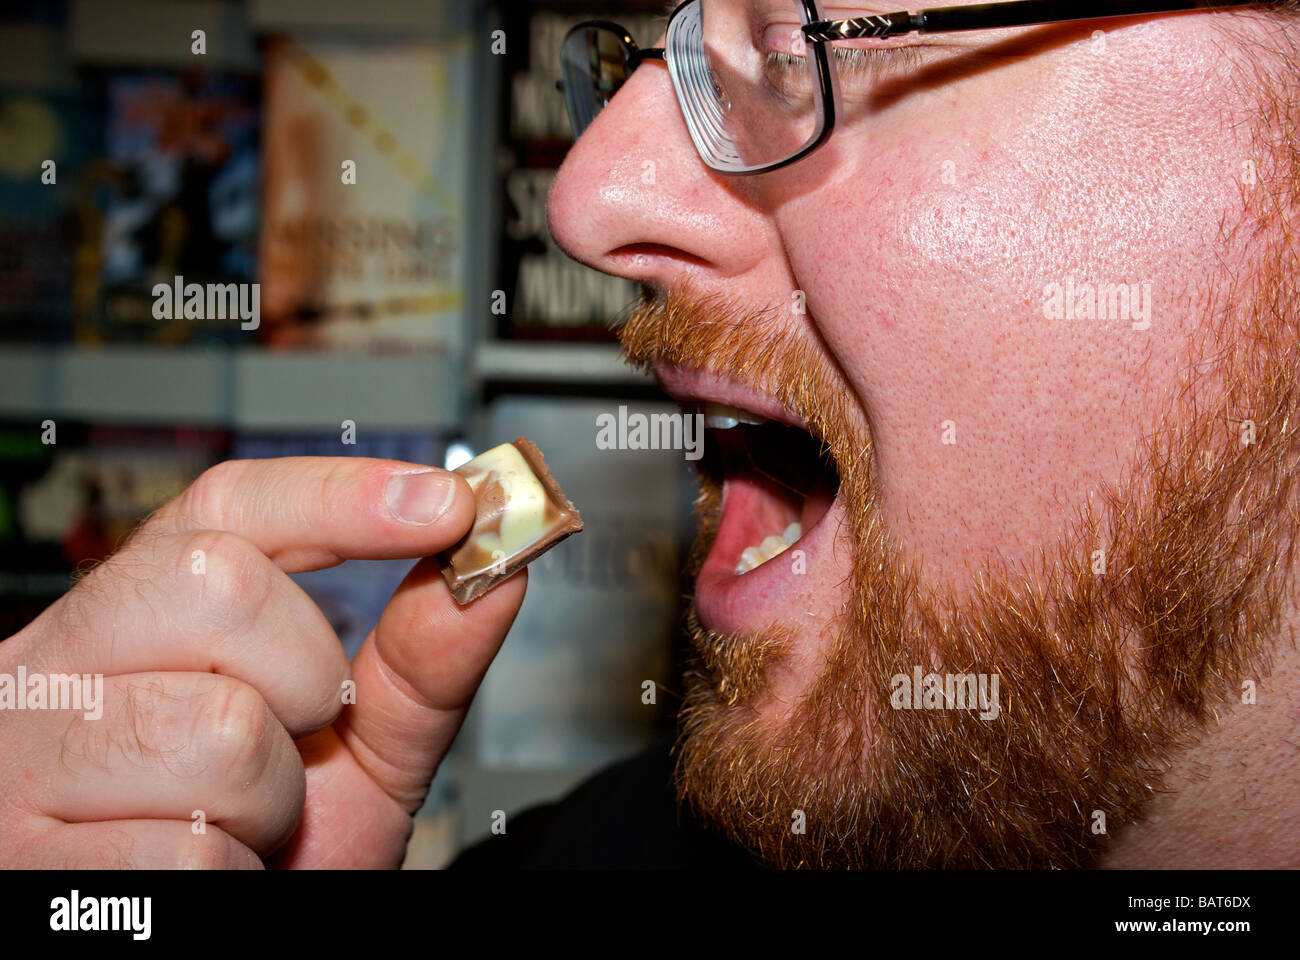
[[420, 497]]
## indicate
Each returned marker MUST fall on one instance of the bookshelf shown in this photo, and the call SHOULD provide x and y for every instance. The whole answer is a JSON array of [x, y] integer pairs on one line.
[[238, 388], [547, 370]]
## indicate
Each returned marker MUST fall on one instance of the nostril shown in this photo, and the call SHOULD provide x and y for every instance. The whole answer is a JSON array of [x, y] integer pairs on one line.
[[640, 252]]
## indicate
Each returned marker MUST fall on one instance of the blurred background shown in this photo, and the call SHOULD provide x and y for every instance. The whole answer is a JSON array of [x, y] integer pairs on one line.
[[380, 170]]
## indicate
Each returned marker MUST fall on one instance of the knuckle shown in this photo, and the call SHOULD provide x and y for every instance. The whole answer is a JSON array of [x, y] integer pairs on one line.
[[234, 583], [76, 617], [208, 501], [337, 486], [240, 736]]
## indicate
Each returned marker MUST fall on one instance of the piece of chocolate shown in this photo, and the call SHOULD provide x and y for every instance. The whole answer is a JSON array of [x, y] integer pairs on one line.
[[521, 513]]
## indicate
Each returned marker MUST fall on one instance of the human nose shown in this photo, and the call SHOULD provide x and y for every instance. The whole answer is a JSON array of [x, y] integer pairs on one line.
[[634, 199]]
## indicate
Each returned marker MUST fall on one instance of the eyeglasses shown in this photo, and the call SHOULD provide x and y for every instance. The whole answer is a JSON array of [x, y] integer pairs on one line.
[[754, 80]]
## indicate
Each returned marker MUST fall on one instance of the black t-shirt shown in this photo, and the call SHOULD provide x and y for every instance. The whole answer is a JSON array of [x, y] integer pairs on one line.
[[625, 817]]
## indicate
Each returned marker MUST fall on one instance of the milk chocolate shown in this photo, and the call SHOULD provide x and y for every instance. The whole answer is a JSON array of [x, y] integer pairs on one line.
[[522, 513]]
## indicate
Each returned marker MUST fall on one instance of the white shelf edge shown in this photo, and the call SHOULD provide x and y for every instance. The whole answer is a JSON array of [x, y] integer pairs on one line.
[[245, 388], [578, 363]]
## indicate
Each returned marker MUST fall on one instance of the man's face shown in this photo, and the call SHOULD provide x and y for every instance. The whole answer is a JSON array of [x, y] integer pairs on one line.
[[1032, 487]]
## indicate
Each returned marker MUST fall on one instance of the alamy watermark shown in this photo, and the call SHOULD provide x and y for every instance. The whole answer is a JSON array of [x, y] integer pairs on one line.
[[75, 913], [951, 691], [654, 431], [55, 691], [208, 301], [1098, 301]]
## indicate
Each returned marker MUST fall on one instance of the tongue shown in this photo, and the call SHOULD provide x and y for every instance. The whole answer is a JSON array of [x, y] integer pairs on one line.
[[764, 508]]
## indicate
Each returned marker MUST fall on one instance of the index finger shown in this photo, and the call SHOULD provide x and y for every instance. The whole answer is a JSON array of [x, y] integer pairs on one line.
[[309, 513]]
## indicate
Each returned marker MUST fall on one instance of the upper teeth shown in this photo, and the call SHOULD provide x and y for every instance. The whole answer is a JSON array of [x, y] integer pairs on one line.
[[723, 416], [772, 546]]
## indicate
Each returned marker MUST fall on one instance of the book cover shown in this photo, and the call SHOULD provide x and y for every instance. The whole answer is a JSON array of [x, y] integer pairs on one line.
[[180, 200], [548, 295], [49, 137], [366, 162]]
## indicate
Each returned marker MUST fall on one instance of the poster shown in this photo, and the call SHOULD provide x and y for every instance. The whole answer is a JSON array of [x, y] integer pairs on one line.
[[363, 243]]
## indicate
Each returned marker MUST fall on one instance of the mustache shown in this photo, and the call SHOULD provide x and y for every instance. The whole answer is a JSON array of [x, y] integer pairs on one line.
[[772, 350], [782, 355]]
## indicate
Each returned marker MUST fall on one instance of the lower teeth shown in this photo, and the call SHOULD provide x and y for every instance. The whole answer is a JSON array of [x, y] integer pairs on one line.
[[772, 546]]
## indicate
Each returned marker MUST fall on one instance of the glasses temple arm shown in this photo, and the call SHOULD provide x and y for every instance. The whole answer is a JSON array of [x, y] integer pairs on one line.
[[984, 16]]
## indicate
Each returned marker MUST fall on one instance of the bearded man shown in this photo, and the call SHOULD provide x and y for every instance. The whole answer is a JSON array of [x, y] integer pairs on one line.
[[992, 311], [1023, 330]]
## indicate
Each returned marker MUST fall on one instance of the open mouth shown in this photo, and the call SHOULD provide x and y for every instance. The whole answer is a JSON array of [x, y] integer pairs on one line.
[[778, 482]]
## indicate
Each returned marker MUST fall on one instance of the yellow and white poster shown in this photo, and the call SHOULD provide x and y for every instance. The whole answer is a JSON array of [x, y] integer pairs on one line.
[[365, 188]]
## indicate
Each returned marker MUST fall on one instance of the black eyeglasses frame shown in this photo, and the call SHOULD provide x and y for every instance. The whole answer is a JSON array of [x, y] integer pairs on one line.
[[819, 32]]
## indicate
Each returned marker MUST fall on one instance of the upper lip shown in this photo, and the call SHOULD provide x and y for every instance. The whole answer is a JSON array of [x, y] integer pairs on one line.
[[691, 386]]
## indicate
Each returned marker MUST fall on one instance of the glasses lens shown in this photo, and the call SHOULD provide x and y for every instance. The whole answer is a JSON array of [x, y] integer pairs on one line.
[[749, 86], [594, 62]]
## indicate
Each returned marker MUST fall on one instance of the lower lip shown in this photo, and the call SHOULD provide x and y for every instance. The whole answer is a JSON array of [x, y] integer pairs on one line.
[[731, 603]]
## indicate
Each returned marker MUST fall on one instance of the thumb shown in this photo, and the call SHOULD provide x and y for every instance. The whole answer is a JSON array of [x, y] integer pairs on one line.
[[416, 675]]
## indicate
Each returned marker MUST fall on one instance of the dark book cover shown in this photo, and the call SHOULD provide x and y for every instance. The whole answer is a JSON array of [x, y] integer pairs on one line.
[[547, 295], [49, 136], [179, 199]]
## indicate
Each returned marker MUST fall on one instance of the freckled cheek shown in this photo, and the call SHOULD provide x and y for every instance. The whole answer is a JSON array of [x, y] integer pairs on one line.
[[834, 244], [852, 252]]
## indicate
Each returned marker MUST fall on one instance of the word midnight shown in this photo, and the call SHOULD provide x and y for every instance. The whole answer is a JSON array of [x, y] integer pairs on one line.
[[208, 301]]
